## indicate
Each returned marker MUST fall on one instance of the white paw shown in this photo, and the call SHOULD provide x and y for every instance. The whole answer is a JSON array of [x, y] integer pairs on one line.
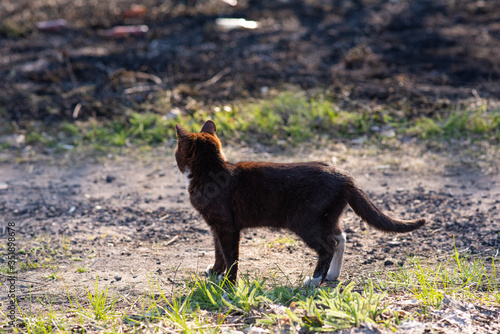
[[312, 282], [333, 276], [208, 271]]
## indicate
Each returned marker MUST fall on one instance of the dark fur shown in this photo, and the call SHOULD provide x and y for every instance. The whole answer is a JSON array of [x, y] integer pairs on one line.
[[306, 198]]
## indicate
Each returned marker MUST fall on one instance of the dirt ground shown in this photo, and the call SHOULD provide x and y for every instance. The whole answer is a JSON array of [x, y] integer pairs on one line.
[[130, 222], [417, 56]]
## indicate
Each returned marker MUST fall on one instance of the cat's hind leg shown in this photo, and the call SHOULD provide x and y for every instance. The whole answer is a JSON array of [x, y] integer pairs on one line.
[[338, 257], [321, 241]]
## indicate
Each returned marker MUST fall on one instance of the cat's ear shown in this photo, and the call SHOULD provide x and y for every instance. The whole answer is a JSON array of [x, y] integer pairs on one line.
[[209, 127], [181, 132]]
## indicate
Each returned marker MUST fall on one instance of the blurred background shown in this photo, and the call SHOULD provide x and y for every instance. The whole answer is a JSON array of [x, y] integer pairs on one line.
[[68, 61]]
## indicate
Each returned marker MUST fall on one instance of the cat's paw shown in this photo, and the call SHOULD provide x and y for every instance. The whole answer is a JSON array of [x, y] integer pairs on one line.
[[313, 281], [211, 272], [332, 276]]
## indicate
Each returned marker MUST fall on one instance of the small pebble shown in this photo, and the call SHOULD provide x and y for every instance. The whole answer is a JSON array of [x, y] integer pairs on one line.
[[388, 263]]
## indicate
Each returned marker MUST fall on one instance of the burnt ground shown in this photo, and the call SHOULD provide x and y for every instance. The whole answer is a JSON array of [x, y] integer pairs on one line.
[[418, 56], [130, 223]]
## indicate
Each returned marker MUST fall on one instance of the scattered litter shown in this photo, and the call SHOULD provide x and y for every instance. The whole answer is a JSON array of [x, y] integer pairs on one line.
[[455, 303], [51, 25], [139, 89], [213, 79], [171, 241], [231, 331], [67, 147], [34, 66], [257, 330], [135, 11], [414, 327], [124, 31], [278, 309], [72, 209], [3, 186], [231, 24], [174, 113], [389, 133], [394, 243], [455, 317], [360, 140], [77, 109], [408, 302], [98, 207], [20, 139], [230, 2]]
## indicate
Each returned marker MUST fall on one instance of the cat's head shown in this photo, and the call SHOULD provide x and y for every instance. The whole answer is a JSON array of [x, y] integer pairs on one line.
[[203, 147]]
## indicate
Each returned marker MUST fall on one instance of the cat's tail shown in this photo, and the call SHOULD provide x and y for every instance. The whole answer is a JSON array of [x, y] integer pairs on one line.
[[365, 209]]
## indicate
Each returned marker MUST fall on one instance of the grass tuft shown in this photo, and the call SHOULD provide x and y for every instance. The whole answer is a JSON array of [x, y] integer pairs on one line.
[[461, 276], [480, 122]]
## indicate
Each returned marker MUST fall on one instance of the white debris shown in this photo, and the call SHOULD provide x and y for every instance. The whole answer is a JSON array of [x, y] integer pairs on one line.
[[231, 24]]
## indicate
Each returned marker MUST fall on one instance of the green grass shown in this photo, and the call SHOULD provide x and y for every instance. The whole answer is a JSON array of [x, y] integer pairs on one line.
[[459, 123], [460, 276], [81, 270], [53, 276], [100, 304], [284, 120], [333, 309]]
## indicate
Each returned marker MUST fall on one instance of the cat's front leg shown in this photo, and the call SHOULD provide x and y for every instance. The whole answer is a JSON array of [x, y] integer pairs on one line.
[[219, 266], [229, 241]]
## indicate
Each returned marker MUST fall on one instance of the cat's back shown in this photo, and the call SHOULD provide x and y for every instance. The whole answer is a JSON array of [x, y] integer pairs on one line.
[[291, 174]]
